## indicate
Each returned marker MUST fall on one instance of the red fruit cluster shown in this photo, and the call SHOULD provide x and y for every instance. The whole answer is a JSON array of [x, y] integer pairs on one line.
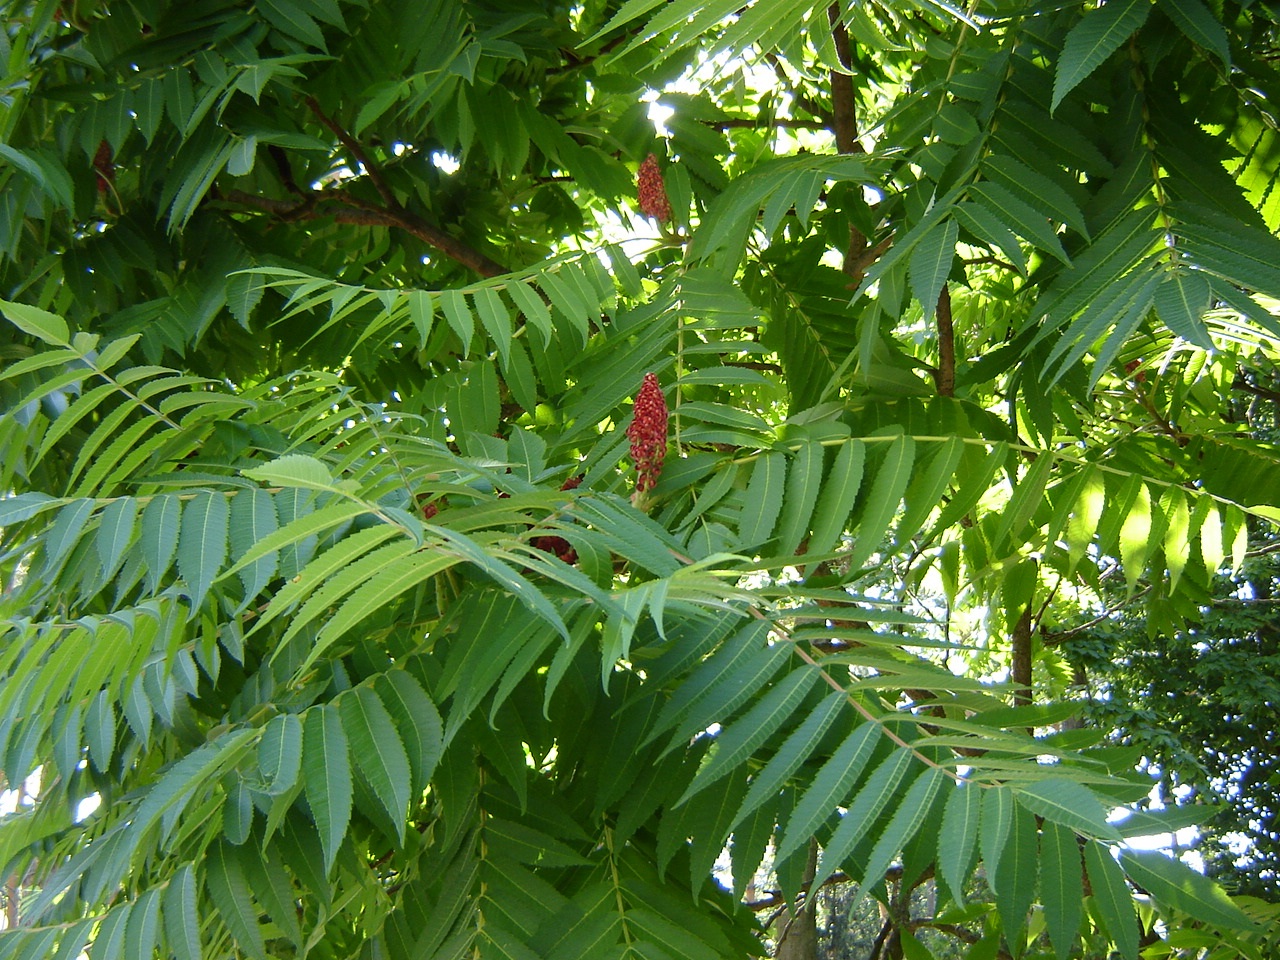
[[648, 433], [104, 166], [651, 192]]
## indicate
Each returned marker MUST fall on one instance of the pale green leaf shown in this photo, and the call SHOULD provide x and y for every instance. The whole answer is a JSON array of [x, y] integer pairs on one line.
[[115, 533], [838, 494], [458, 314], [1019, 866], [379, 753], [803, 487], [1181, 300], [418, 721], [280, 752], [202, 543], [882, 502], [879, 792], [108, 942], [293, 470], [997, 817], [326, 772], [181, 925], [799, 744], [496, 320], [224, 879], [24, 506]]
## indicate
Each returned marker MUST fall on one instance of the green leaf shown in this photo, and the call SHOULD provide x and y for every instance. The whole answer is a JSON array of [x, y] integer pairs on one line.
[[47, 173], [496, 320], [202, 543], [997, 817], [880, 790], [739, 740], [1112, 899], [458, 314], [989, 228], [801, 742], [225, 881], [1199, 24], [829, 788], [253, 519], [181, 925], [289, 18], [280, 753], [1061, 886], [294, 470], [1019, 865], [326, 772], [418, 720], [1019, 217], [931, 263], [1097, 35], [803, 487], [1172, 883], [534, 309], [1181, 300], [24, 506], [115, 533], [958, 837], [379, 754], [763, 500], [421, 311], [108, 942], [159, 541], [887, 488]]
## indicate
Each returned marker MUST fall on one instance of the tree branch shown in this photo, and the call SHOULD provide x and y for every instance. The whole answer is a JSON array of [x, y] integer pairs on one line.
[[1020, 668], [844, 110], [945, 375], [393, 214]]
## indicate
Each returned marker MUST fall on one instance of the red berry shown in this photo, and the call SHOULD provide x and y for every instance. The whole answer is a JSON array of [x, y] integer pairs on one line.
[[651, 192]]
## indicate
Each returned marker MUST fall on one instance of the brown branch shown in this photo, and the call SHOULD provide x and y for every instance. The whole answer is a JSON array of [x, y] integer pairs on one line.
[[1020, 667], [393, 213], [868, 256], [1240, 383], [945, 375], [844, 110], [356, 151]]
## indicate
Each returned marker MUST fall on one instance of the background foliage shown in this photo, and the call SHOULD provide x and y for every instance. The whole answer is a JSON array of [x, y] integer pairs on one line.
[[331, 621]]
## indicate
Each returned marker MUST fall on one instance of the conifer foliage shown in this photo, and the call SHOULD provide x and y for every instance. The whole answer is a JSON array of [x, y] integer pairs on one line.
[[338, 620]]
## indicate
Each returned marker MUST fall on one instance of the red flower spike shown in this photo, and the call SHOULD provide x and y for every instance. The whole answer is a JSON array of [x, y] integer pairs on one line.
[[648, 433], [651, 192], [104, 166]]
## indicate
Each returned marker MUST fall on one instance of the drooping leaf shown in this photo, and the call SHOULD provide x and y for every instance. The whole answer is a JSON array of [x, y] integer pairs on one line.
[[1173, 883], [829, 787], [203, 543], [1061, 886], [379, 754], [958, 837], [326, 772], [1097, 35]]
